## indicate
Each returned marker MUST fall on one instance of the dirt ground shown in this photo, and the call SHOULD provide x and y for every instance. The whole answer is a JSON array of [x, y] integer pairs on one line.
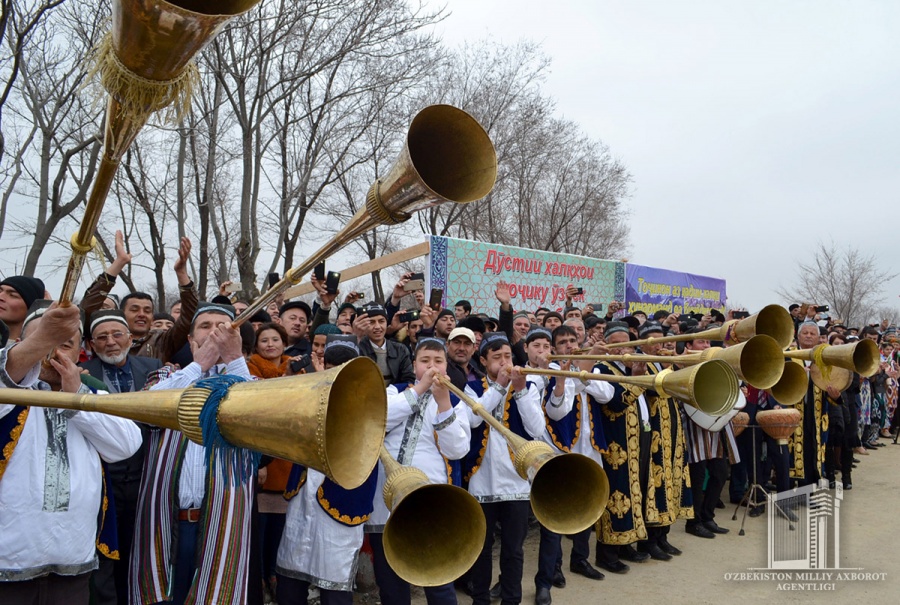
[[869, 543]]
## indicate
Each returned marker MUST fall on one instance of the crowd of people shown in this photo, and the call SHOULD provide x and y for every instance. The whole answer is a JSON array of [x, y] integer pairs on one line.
[[107, 510]]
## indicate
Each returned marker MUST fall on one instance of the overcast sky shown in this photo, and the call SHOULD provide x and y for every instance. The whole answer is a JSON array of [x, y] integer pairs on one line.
[[752, 129]]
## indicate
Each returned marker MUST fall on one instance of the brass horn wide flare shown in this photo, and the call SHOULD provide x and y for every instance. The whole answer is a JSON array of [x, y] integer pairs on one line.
[[791, 387], [567, 491], [712, 386], [448, 157], [758, 361], [435, 531]]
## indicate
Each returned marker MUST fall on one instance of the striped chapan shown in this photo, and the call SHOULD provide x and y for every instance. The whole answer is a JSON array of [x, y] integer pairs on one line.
[[224, 539]]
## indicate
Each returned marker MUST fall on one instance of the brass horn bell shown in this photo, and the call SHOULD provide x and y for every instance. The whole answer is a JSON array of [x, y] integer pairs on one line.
[[435, 531], [448, 157], [332, 421], [568, 491]]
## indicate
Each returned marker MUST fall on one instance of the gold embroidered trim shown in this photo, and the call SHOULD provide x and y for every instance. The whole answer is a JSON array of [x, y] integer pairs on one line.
[[14, 435], [335, 513]]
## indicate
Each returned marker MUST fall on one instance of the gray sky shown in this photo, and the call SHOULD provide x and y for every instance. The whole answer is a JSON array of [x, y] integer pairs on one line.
[[752, 129]]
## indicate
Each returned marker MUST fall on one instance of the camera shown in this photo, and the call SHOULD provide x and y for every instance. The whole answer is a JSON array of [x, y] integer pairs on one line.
[[408, 316]]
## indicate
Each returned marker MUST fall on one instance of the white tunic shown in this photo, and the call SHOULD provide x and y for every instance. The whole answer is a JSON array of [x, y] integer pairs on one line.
[[48, 511], [603, 392], [314, 547], [496, 479], [414, 434]]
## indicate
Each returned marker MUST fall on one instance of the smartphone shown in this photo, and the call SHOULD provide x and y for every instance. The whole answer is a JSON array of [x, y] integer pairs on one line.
[[416, 282], [740, 314], [579, 291], [822, 308], [273, 279], [332, 281], [319, 271], [598, 306], [437, 298], [299, 364], [231, 288], [408, 316], [360, 295]]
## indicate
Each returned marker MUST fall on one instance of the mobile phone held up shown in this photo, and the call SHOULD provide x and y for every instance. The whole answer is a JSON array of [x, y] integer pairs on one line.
[[408, 316], [437, 298], [416, 282], [319, 271], [332, 281]]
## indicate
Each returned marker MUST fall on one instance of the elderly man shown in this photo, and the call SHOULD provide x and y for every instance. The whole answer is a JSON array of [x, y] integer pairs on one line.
[[111, 341], [50, 477], [138, 306], [808, 461], [173, 499]]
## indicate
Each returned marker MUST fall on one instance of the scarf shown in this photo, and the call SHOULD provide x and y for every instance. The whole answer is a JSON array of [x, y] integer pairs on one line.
[[223, 545], [265, 368]]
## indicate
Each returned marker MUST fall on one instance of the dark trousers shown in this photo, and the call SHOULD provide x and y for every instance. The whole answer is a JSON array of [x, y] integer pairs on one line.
[[47, 590], [513, 519], [549, 557], [271, 526], [394, 590], [292, 591], [655, 533], [838, 454], [185, 561], [705, 501], [581, 546]]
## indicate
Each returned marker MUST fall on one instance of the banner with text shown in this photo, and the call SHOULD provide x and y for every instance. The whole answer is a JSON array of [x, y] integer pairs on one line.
[[649, 289], [471, 270]]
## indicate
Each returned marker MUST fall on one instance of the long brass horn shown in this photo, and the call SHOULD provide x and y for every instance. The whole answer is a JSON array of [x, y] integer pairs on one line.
[[144, 65], [758, 362], [332, 421], [435, 531], [448, 157], [862, 357], [772, 320], [792, 386], [710, 386], [568, 491]]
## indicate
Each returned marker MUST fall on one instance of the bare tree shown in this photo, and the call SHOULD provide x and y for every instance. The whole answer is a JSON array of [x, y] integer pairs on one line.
[[62, 152], [844, 278], [556, 189]]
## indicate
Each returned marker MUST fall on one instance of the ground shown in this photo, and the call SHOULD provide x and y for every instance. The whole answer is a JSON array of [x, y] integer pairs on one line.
[[869, 542]]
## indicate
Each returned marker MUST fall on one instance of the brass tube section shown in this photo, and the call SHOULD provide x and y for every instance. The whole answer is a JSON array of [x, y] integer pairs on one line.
[[758, 361], [568, 491], [710, 386], [448, 157], [435, 531], [152, 43], [772, 320], [332, 421], [862, 357]]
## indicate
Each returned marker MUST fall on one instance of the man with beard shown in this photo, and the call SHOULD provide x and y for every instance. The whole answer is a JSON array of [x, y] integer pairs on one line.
[[122, 372], [50, 475], [138, 306]]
